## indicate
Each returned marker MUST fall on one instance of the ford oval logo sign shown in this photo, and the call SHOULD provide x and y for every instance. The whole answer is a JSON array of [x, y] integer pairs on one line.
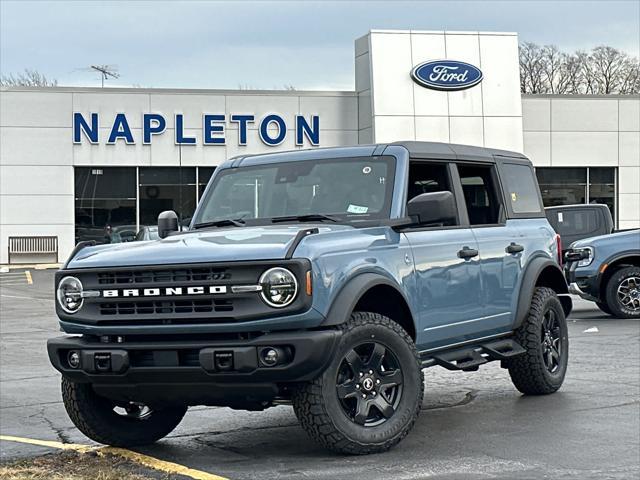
[[446, 75]]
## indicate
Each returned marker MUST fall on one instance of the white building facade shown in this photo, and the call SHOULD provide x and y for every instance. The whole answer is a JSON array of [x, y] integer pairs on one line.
[[74, 161]]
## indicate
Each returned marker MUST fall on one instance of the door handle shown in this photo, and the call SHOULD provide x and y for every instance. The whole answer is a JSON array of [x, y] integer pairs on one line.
[[467, 253], [514, 248]]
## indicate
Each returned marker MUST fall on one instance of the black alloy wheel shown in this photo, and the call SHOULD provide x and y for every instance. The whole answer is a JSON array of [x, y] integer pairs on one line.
[[369, 396], [551, 341], [541, 369], [369, 384]]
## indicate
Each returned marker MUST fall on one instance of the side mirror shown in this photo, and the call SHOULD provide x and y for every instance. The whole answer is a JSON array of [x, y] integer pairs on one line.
[[434, 207], [167, 223]]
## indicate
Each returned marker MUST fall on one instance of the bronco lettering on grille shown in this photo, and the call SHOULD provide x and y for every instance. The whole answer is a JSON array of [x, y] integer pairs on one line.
[[169, 291]]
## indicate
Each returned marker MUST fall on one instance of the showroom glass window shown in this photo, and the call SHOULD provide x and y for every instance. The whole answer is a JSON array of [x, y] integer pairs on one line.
[[167, 188], [602, 187], [204, 175], [105, 204], [568, 186]]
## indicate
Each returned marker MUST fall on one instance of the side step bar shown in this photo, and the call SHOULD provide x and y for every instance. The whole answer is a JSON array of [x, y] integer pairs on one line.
[[469, 358]]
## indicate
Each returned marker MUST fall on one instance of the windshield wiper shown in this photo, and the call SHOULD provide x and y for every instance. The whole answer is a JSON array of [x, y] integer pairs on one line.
[[227, 222], [304, 218]]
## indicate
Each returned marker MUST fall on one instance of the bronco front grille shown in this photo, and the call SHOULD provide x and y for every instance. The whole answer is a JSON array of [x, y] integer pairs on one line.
[[204, 305], [179, 294], [181, 275]]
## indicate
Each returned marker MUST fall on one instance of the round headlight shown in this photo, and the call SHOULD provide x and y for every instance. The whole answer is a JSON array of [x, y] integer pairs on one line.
[[70, 294], [279, 287]]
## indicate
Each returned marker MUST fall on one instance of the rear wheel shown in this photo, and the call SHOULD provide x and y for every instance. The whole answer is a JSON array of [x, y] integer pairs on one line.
[[623, 293], [121, 425], [544, 335], [369, 397]]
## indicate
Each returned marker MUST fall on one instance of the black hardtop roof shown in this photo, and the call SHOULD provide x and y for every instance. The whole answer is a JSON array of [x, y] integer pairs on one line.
[[578, 205], [417, 149], [454, 151]]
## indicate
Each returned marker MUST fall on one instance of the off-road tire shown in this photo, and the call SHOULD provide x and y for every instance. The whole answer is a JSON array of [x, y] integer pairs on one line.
[[611, 292], [528, 371], [318, 408], [604, 308], [94, 416]]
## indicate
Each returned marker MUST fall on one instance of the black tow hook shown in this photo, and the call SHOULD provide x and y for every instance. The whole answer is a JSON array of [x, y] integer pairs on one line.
[[102, 362]]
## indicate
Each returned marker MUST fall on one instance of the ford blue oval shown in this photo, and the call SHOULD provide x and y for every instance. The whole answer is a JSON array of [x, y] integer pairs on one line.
[[446, 75]]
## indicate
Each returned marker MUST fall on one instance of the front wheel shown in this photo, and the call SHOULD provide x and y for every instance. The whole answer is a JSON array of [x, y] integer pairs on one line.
[[124, 425], [544, 335], [369, 397], [623, 293]]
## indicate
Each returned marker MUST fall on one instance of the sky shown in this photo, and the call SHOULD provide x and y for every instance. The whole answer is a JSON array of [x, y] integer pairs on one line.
[[267, 44]]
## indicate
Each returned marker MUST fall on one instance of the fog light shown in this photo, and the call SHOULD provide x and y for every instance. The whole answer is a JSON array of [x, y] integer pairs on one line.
[[270, 357], [74, 359]]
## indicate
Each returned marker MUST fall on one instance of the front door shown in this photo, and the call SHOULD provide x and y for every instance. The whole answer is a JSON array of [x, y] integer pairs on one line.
[[449, 287], [447, 273]]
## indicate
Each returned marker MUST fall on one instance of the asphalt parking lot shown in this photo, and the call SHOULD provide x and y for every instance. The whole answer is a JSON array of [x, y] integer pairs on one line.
[[473, 425]]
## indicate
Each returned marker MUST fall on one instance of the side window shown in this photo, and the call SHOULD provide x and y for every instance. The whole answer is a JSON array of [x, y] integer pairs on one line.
[[522, 189], [426, 177], [480, 194], [576, 222]]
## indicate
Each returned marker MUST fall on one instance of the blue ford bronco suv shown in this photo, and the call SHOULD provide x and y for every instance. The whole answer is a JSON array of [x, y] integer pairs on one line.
[[324, 278]]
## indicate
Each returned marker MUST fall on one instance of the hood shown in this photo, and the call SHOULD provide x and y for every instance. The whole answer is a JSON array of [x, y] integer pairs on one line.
[[200, 246], [630, 238]]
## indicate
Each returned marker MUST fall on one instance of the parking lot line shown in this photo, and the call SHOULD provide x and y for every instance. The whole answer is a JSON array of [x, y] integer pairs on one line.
[[140, 458], [27, 274]]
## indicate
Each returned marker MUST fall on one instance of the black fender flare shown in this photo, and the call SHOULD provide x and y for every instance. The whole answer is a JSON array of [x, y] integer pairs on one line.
[[529, 281], [350, 295]]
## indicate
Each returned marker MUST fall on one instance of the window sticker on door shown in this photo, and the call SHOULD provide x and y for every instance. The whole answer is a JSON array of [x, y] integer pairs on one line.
[[357, 209]]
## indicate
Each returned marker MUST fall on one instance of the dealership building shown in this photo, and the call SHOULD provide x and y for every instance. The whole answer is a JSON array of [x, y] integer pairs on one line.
[[75, 162]]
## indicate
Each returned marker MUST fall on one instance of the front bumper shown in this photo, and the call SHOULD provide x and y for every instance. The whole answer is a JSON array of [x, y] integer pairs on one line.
[[575, 289], [222, 372], [582, 283]]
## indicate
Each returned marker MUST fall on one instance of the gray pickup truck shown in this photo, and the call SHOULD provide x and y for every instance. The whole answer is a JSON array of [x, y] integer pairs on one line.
[[583, 220], [606, 269]]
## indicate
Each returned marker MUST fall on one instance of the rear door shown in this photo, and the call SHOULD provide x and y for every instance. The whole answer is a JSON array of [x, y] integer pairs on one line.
[[500, 245]]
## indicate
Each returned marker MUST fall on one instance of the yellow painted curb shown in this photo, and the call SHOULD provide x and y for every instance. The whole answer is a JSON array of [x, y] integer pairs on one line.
[[161, 465], [140, 458], [48, 443]]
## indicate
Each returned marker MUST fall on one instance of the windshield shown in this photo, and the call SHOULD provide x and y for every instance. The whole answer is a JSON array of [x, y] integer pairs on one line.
[[347, 189]]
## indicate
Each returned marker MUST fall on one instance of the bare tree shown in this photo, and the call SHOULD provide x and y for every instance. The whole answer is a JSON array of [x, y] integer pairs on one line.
[[630, 78], [531, 67], [553, 69], [28, 78], [608, 64], [603, 70], [574, 72]]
